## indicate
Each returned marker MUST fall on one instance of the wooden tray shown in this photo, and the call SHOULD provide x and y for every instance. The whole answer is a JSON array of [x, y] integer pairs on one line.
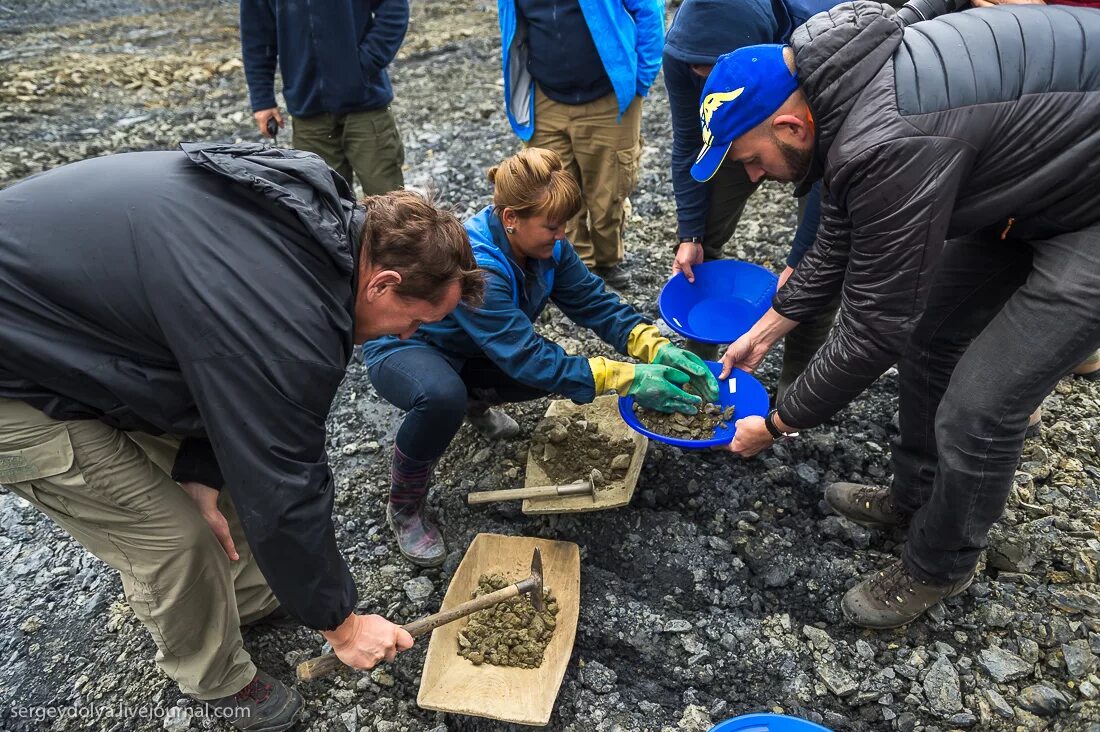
[[450, 683], [605, 412]]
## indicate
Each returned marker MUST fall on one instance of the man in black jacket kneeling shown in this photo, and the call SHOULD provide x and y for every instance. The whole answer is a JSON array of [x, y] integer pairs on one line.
[[176, 325], [960, 219]]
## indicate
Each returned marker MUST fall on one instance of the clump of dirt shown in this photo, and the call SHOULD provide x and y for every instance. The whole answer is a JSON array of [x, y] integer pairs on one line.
[[569, 448], [511, 633], [698, 426]]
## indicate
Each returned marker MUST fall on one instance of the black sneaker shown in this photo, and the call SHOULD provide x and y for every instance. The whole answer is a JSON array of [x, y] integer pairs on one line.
[[264, 705], [614, 275]]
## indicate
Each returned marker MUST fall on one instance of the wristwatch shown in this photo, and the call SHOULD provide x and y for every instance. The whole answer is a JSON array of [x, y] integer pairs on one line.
[[775, 432], [691, 240]]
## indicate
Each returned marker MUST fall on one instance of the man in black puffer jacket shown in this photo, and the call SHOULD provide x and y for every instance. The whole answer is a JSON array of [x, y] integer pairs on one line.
[[960, 219]]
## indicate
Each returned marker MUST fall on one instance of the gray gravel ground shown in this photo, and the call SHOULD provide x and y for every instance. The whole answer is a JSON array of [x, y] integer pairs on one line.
[[715, 593]]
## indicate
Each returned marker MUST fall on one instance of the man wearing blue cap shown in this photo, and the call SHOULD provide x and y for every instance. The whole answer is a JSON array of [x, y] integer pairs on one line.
[[707, 212], [960, 221]]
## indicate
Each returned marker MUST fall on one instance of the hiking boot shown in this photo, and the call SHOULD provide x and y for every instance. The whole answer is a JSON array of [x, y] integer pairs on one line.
[[491, 422], [867, 505], [614, 275], [893, 597], [418, 538], [1090, 369], [1034, 424], [264, 705]]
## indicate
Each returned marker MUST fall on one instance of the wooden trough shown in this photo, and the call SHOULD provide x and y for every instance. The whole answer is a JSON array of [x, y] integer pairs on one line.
[[451, 683], [619, 490]]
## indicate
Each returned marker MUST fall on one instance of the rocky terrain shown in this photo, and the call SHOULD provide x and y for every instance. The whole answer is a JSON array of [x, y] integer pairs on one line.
[[714, 594]]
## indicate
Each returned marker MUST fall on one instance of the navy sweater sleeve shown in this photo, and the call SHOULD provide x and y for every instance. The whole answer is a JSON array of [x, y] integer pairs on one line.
[[692, 197], [259, 51], [807, 227], [382, 42]]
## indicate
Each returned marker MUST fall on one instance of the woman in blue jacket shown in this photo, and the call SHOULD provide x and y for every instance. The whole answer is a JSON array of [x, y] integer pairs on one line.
[[459, 367]]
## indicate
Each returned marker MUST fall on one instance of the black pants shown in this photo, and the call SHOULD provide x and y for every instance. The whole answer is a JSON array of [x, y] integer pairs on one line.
[[1005, 320], [436, 391]]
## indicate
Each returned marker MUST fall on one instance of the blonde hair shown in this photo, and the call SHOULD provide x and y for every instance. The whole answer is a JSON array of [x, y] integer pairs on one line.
[[534, 182]]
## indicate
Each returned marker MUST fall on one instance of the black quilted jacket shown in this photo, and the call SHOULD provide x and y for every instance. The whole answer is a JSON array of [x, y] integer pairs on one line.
[[976, 122]]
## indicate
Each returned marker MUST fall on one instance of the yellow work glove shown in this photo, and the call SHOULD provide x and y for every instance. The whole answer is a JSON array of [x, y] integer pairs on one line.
[[644, 342], [652, 385]]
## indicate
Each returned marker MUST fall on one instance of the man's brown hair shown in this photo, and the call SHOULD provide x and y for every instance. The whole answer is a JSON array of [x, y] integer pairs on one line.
[[428, 246]]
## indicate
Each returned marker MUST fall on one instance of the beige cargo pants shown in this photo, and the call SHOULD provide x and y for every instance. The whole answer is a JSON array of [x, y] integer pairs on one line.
[[112, 492], [602, 152]]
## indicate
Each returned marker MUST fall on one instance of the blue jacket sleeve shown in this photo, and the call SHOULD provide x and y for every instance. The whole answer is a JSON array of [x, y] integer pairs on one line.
[[583, 299], [807, 227], [692, 197], [508, 338], [387, 32], [649, 21], [259, 51]]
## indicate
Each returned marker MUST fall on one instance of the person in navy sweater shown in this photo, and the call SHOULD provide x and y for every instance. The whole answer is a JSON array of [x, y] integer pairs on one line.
[[332, 55]]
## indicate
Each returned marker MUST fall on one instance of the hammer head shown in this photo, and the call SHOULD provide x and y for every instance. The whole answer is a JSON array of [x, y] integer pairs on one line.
[[536, 581]]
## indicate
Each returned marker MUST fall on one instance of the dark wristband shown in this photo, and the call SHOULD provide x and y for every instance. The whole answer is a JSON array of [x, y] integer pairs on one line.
[[772, 429], [691, 240]]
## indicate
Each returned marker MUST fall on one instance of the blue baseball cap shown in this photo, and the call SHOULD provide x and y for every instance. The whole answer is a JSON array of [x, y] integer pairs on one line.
[[744, 88]]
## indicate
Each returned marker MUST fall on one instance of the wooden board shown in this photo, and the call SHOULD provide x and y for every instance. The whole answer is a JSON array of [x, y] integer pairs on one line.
[[450, 683], [618, 492]]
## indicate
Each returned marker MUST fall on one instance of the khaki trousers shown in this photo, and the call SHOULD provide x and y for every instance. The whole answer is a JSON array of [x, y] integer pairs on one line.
[[112, 492], [602, 152], [366, 143]]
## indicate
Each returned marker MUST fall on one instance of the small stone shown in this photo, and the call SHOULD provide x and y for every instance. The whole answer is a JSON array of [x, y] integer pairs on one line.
[[482, 456], [177, 720], [31, 625], [996, 615], [837, 679], [1002, 665], [962, 719], [1076, 601], [1088, 690], [350, 721], [677, 625], [695, 719], [350, 449], [864, 649], [1042, 700], [419, 589], [598, 678], [819, 638], [998, 704], [941, 688], [620, 462], [1079, 658], [381, 677]]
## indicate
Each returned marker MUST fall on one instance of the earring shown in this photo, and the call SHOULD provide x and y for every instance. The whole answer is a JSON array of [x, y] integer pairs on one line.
[[510, 229]]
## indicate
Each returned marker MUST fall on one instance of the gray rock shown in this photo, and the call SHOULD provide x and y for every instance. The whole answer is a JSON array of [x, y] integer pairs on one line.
[[941, 688], [419, 589], [837, 679], [998, 704], [676, 625], [1002, 665], [695, 719], [1042, 700], [996, 615], [597, 677], [177, 720], [1079, 658], [32, 563], [962, 719], [819, 638]]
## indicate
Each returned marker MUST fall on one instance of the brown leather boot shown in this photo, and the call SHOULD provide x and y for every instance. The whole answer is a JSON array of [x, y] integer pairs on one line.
[[893, 597], [865, 504]]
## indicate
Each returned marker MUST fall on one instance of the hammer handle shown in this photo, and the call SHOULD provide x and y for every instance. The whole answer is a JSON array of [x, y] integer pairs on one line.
[[320, 666], [517, 494]]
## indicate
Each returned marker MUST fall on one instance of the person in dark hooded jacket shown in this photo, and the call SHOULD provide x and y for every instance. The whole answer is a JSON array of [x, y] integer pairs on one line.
[[177, 324], [960, 221]]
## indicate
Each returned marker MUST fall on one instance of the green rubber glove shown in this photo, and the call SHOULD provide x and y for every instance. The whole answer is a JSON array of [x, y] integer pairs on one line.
[[658, 387], [702, 380]]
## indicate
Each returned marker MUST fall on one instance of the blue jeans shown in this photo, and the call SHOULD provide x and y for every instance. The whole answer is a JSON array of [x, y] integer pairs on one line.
[[1005, 320], [436, 391]]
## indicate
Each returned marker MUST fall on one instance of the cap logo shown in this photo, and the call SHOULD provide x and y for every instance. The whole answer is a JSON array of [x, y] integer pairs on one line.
[[710, 105]]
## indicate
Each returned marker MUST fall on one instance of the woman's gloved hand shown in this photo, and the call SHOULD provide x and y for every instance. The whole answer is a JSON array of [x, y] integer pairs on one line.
[[660, 388], [702, 380], [652, 385]]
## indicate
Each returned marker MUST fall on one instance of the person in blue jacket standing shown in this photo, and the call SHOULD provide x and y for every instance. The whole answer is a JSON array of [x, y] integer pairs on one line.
[[332, 55], [575, 72], [459, 367], [707, 212]]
